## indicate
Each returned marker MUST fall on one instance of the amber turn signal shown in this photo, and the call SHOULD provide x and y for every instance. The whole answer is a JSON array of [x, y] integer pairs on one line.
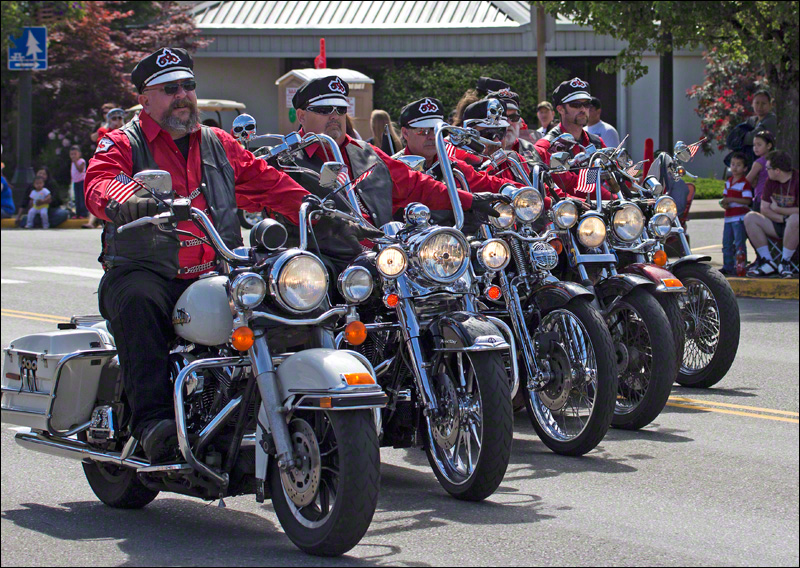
[[355, 333], [358, 379], [557, 244], [672, 283], [325, 402], [391, 300], [242, 338], [493, 292], [660, 258]]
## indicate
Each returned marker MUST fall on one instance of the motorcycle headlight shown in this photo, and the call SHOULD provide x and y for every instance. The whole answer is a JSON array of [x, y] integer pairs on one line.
[[355, 284], [506, 218], [544, 256], [494, 255], [628, 222], [528, 204], [565, 214], [592, 232], [299, 281], [660, 225], [665, 204], [442, 255], [391, 262], [248, 290]]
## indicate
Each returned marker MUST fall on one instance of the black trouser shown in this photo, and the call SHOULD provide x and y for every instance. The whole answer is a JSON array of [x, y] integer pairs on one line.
[[138, 303]]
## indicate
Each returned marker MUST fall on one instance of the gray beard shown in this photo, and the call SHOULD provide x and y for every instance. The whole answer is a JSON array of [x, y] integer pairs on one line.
[[174, 124]]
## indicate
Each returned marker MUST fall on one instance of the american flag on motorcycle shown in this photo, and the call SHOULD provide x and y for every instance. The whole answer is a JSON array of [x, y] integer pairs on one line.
[[451, 150], [364, 176], [122, 188], [693, 148], [344, 177], [587, 180]]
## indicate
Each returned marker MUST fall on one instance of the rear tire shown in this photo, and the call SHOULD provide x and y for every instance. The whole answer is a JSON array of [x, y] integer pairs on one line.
[[117, 487]]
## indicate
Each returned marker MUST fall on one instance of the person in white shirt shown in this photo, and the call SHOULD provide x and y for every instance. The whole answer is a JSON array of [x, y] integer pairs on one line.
[[599, 128], [40, 203]]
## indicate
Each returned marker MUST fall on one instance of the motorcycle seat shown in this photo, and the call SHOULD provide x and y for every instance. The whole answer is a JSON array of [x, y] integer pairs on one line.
[[106, 330]]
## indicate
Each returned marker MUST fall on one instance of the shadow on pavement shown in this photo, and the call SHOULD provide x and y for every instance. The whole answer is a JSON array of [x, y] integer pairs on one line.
[[741, 392]]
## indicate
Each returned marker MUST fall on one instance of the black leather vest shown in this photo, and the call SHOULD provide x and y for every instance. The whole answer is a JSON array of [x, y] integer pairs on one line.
[[157, 250]]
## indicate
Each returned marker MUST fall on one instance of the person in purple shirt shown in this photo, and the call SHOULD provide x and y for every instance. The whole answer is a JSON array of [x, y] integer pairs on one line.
[[763, 144]]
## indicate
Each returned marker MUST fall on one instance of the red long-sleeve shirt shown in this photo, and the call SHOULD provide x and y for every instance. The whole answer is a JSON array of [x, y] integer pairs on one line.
[[258, 185], [477, 181]]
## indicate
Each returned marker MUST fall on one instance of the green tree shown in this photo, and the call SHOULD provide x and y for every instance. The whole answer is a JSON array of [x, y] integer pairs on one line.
[[758, 32]]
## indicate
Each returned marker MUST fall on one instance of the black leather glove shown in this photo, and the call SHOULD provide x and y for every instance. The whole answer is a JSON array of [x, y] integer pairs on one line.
[[482, 203], [134, 208]]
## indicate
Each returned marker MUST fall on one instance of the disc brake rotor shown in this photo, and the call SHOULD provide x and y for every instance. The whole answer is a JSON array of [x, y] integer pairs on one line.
[[445, 426], [301, 482], [556, 392]]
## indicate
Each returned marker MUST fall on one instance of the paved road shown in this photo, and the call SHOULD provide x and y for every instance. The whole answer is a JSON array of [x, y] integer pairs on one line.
[[712, 484]]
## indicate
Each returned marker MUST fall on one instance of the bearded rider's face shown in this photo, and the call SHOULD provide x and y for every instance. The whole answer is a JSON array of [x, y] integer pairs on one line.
[[512, 133], [331, 124], [177, 114], [575, 113]]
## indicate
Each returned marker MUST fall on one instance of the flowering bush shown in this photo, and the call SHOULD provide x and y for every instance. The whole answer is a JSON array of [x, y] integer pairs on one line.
[[724, 99]]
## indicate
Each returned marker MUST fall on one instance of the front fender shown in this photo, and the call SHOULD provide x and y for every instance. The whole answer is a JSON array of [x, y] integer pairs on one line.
[[621, 285], [557, 294], [464, 331], [664, 280], [688, 259]]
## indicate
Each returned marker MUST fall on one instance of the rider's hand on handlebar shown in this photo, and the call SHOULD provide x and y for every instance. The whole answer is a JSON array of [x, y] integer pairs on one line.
[[134, 208], [482, 203]]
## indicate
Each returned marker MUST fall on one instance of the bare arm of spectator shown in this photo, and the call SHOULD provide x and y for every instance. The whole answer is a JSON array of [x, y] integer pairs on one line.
[[783, 210], [767, 209], [752, 176]]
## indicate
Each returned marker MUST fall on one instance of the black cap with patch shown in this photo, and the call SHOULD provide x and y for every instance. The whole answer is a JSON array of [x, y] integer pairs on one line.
[[163, 66], [509, 97], [573, 90], [325, 91], [424, 113], [486, 84]]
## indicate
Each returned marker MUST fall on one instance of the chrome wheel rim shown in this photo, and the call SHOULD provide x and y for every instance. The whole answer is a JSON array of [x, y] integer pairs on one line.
[[570, 420], [701, 316], [630, 335], [252, 219]]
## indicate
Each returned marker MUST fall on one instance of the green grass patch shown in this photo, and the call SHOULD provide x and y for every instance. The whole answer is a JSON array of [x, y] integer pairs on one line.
[[708, 188]]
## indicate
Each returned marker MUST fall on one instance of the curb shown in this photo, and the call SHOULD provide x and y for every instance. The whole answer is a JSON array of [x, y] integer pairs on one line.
[[68, 224], [772, 288]]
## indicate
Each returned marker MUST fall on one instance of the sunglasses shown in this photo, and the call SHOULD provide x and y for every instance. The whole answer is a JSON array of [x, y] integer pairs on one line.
[[329, 109], [513, 117], [579, 105], [172, 88], [421, 131], [495, 134]]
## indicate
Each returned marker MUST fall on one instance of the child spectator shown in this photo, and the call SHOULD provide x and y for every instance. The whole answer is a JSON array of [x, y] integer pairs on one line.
[[738, 195], [39, 203], [763, 144], [78, 172]]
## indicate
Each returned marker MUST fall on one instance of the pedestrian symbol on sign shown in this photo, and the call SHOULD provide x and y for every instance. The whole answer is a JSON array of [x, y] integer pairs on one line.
[[29, 51]]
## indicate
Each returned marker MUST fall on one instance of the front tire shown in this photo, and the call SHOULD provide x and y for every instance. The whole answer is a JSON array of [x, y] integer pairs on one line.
[[671, 303], [335, 492], [711, 313]]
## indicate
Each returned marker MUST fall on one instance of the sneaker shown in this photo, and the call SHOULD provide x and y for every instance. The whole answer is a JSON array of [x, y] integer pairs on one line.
[[785, 270], [766, 268], [159, 439]]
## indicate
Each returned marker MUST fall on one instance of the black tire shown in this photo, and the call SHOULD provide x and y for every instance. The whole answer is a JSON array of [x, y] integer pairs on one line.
[[727, 311], [358, 459], [605, 389], [117, 487], [671, 305], [660, 364], [496, 437], [249, 220]]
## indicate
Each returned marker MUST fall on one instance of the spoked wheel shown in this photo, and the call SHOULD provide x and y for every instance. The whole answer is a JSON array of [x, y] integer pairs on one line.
[[249, 220], [711, 315], [469, 438], [326, 502], [573, 411], [645, 359]]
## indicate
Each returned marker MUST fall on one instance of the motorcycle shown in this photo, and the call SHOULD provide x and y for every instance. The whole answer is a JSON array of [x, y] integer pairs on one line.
[[263, 404]]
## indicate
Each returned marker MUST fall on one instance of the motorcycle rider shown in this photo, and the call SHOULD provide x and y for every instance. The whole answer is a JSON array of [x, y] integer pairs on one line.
[[512, 140], [146, 269]]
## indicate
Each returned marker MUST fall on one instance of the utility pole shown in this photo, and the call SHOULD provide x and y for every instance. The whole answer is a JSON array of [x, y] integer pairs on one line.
[[23, 174], [665, 118], [541, 69]]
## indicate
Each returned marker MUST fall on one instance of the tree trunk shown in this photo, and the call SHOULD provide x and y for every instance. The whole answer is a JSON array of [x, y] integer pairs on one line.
[[786, 108]]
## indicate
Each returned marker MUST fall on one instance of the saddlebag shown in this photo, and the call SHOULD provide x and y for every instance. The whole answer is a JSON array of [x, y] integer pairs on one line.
[[50, 379]]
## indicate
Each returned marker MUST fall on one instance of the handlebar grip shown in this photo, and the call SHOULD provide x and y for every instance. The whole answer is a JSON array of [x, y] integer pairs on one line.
[[476, 146]]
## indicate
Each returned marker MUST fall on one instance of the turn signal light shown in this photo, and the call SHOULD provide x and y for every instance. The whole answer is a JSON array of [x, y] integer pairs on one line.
[[493, 292], [660, 258], [242, 338], [391, 300], [672, 283], [557, 244], [355, 333], [325, 402], [358, 379]]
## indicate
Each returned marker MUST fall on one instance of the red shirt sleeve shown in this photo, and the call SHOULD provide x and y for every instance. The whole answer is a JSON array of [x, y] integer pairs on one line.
[[482, 181], [113, 155]]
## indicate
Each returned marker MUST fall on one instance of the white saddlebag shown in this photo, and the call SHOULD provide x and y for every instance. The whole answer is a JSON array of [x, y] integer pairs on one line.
[[50, 379]]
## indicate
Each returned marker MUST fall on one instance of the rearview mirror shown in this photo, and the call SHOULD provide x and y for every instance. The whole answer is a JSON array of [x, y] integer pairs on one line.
[[651, 183], [559, 160], [416, 163], [328, 174], [159, 182], [682, 152]]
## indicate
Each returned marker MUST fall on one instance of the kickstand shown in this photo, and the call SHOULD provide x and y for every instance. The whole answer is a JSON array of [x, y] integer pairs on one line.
[[221, 504]]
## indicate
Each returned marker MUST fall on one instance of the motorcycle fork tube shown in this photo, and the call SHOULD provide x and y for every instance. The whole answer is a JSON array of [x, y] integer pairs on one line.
[[241, 422], [522, 177], [514, 305], [267, 380]]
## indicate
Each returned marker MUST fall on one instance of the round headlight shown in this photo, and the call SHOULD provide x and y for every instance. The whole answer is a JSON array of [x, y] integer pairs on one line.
[[528, 205], [355, 284], [248, 290], [544, 256], [592, 232], [506, 218], [565, 214], [391, 262], [628, 222], [665, 204], [660, 225], [299, 281], [494, 255], [442, 256]]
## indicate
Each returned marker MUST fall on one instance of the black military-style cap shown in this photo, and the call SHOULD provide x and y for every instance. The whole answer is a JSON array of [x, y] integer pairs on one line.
[[486, 84], [573, 90], [424, 113], [485, 112], [162, 66], [324, 91], [507, 96]]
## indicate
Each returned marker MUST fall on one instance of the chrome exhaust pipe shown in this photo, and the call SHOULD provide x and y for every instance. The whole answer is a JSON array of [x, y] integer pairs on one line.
[[72, 449]]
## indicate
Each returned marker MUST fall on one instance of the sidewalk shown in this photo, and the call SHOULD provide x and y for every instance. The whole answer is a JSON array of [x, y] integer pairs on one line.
[[68, 224], [706, 209]]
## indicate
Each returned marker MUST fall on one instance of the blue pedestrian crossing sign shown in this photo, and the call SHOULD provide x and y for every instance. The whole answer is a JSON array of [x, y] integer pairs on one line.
[[29, 51]]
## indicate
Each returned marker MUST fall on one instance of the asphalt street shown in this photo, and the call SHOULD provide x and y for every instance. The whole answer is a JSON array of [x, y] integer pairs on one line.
[[713, 481]]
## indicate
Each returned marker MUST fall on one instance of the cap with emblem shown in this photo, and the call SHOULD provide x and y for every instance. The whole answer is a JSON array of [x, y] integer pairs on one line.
[[163, 66], [486, 112], [487, 84], [424, 113], [507, 96], [575, 89], [324, 91], [115, 112]]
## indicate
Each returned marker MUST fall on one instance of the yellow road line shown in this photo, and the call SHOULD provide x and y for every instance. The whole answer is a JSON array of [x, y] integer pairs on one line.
[[707, 247], [736, 412], [48, 320], [726, 405], [62, 318]]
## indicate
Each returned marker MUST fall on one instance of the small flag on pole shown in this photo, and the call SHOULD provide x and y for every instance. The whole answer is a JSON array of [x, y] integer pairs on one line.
[[363, 176], [587, 180], [344, 176], [693, 148], [122, 188]]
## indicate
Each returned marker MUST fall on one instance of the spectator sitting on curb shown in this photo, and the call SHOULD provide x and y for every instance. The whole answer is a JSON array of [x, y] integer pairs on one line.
[[56, 214], [738, 195], [778, 218], [763, 144], [39, 203]]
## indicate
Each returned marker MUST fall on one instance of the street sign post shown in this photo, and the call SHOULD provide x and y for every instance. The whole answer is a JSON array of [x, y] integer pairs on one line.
[[28, 52]]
